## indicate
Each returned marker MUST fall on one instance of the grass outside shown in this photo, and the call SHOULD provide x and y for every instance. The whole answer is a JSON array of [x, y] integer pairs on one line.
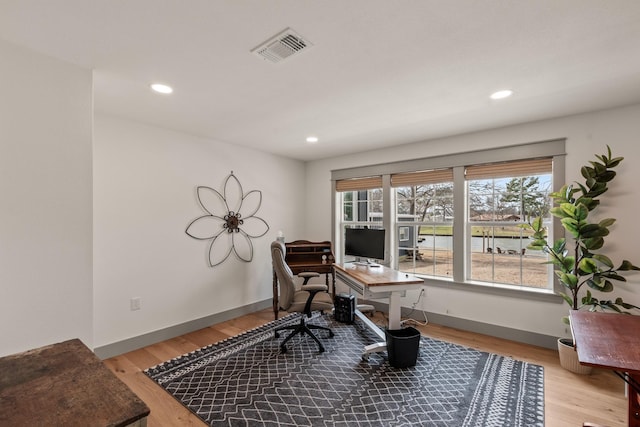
[[512, 231], [512, 269]]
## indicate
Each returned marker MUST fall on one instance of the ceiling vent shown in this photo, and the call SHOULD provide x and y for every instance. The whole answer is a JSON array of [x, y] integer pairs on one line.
[[282, 46]]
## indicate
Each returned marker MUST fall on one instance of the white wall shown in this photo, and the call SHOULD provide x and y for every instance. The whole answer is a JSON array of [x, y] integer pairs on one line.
[[586, 134], [45, 201], [145, 182]]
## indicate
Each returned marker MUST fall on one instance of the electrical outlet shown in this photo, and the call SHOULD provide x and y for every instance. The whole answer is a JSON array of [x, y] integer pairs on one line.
[[136, 303]]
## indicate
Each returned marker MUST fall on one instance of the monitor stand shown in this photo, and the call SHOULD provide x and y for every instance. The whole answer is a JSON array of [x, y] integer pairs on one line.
[[366, 262]]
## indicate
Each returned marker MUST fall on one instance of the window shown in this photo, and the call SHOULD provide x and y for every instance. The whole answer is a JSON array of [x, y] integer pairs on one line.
[[458, 218], [403, 234], [424, 217], [361, 202], [500, 198]]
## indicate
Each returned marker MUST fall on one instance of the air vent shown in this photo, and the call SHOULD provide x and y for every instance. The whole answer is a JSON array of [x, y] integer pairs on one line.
[[282, 46]]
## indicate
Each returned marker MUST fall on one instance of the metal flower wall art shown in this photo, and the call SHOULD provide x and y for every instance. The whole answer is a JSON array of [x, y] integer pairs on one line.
[[230, 221]]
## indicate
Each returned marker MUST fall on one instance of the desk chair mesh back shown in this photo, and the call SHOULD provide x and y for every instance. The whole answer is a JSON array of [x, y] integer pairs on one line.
[[309, 298]]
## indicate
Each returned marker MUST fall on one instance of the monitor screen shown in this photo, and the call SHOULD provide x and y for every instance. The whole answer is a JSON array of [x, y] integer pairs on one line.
[[364, 243]]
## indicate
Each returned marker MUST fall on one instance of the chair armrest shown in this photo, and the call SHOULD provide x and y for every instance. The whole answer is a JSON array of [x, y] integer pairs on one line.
[[307, 275], [315, 288]]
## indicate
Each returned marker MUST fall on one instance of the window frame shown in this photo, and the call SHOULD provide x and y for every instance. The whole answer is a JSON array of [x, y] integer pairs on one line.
[[412, 181], [458, 162], [493, 173]]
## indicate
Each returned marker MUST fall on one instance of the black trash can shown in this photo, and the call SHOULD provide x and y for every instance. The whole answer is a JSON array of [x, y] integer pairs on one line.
[[402, 347]]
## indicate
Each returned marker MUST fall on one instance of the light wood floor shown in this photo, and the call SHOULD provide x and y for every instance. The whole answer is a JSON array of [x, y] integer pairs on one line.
[[570, 399]]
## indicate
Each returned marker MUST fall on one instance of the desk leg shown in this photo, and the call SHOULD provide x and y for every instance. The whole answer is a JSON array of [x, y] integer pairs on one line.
[[275, 301], [394, 311], [375, 347], [634, 402], [333, 283]]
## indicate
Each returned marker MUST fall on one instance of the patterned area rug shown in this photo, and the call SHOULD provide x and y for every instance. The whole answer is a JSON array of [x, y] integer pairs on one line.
[[245, 381]]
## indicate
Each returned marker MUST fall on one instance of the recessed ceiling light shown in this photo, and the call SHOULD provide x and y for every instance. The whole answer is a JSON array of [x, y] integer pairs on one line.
[[501, 94], [160, 88], [312, 139]]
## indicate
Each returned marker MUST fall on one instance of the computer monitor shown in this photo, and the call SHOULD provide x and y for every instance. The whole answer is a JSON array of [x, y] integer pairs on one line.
[[367, 243]]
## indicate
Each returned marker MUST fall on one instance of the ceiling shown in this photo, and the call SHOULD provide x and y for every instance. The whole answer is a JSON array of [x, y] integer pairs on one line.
[[379, 73]]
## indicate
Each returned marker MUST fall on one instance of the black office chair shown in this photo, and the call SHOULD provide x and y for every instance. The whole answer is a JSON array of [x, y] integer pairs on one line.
[[307, 299]]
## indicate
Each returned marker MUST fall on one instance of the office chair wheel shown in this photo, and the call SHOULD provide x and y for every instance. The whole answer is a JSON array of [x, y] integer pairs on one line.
[[277, 335], [331, 334], [283, 349]]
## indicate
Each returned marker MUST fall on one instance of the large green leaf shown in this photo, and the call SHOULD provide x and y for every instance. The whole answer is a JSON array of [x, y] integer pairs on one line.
[[569, 280], [596, 283], [606, 176], [624, 304], [537, 224], [608, 286], [558, 212], [603, 259], [568, 263], [569, 209], [585, 200], [587, 266], [607, 222], [567, 298], [596, 232], [581, 212], [596, 191], [609, 305], [559, 195], [587, 172], [599, 168], [589, 228], [613, 275], [605, 286], [612, 163], [559, 245], [593, 243], [588, 299], [568, 192], [537, 245], [627, 266], [593, 204], [571, 225]]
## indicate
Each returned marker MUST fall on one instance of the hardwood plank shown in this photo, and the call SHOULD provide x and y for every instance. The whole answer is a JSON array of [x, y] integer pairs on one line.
[[166, 411], [570, 399]]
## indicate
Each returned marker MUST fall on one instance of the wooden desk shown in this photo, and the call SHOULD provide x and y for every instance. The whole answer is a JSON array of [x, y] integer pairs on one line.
[[304, 256], [611, 341], [65, 384], [378, 282]]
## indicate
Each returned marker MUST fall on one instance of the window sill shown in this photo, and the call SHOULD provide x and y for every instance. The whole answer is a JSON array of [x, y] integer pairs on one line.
[[545, 295]]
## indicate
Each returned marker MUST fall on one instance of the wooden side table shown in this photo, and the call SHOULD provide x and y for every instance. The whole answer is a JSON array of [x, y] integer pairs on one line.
[[611, 341], [65, 384]]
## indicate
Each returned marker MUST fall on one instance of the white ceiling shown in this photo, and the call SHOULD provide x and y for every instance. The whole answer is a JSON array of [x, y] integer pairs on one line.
[[380, 72]]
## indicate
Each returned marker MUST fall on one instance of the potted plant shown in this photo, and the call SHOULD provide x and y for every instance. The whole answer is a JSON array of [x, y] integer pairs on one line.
[[579, 264]]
